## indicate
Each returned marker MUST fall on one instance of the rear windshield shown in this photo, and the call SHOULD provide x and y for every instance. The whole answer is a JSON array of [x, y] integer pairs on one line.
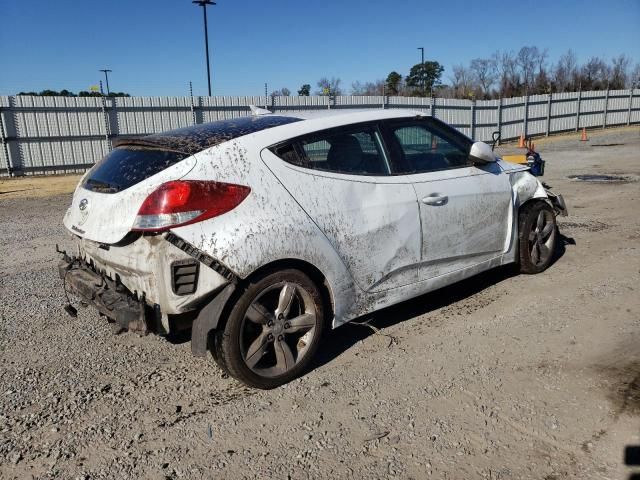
[[135, 159], [126, 166]]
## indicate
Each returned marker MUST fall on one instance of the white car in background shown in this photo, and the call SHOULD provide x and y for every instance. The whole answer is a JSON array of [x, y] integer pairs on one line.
[[261, 232]]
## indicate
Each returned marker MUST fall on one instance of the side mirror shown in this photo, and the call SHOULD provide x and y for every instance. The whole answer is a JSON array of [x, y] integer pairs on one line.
[[481, 154]]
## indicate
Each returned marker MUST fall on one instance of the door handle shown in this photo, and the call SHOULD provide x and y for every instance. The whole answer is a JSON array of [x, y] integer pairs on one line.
[[435, 199]]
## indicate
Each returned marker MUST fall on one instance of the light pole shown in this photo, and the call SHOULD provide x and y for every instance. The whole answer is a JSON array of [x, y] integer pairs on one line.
[[422, 62], [203, 4], [106, 77]]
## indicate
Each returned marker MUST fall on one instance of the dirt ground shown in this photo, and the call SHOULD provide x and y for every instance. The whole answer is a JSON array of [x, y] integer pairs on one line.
[[37, 186], [502, 376]]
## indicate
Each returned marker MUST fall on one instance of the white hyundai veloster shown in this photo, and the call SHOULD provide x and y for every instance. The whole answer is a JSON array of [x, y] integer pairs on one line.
[[259, 233]]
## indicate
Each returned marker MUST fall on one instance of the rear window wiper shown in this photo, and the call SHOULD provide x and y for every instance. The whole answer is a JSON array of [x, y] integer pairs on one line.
[[101, 187]]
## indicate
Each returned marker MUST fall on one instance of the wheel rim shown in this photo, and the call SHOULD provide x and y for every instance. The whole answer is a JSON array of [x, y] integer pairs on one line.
[[541, 238], [277, 329]]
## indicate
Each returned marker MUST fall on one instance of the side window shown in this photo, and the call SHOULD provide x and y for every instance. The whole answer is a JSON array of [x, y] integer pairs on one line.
[[356, 152], [425, 150]]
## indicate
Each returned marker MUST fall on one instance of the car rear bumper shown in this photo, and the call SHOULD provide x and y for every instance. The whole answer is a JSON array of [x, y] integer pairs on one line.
[[144, 281], [108, 297], [159, 268]]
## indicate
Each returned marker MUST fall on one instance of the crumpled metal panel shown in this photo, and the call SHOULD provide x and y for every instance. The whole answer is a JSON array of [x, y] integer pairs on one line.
[[143, 266]]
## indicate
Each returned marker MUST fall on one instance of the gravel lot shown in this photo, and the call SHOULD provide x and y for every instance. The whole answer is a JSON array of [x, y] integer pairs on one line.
[[500, 377]]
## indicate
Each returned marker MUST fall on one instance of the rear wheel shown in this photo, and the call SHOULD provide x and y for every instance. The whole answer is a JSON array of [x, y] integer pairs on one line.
[[537, 232], [273, 330]]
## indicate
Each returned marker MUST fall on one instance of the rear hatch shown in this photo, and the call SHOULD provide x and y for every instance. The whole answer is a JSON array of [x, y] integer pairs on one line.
[[106, 202]]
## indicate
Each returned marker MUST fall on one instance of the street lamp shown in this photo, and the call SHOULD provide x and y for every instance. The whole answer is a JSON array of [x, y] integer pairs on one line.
[[422, 62], [106, 77], [203, 4]]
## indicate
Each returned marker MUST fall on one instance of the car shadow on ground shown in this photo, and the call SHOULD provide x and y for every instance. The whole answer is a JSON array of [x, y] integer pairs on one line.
[[338, 341]]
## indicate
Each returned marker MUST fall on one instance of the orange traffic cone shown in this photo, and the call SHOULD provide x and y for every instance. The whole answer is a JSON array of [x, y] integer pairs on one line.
[[521, 142], [584, 135]]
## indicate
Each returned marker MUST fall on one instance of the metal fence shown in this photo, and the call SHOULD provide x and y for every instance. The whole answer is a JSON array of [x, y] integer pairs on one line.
[[69, 134]]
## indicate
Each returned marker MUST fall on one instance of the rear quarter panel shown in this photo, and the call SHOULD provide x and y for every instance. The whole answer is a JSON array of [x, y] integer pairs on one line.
[[267, 226]]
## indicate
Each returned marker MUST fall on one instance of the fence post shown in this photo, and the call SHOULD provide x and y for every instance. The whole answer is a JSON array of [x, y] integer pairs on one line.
[[526, 115], [500, 121], [578, 110], [5, 142], [549, 101], [473, 119], [606, 108], [107, 126], [433, 106], [193, 111], [630, 103]]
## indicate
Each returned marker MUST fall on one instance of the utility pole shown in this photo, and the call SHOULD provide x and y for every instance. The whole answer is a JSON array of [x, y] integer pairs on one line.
[[203, 4], [422, 73], [106, 77]]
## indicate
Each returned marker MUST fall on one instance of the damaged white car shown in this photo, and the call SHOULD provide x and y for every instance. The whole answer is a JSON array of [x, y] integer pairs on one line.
[[260, 233]]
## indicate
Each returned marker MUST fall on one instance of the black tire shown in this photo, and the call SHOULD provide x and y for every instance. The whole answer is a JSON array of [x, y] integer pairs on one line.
[[231, 346], [537, 235]]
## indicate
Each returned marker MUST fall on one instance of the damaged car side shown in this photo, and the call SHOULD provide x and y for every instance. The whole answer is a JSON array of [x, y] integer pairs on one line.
[[258, 233]]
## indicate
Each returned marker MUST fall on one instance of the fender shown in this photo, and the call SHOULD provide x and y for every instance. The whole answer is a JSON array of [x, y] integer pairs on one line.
[[208, 320]]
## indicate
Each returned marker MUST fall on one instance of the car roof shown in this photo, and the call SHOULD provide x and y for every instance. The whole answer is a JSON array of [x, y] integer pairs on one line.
[[199, 137], [196, 138]]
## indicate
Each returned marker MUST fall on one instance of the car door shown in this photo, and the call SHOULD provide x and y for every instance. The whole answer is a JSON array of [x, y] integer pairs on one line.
[[465, 210], [341, 179]]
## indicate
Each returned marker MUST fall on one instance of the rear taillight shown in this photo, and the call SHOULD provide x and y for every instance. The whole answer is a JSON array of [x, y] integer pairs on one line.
[[183, 202]]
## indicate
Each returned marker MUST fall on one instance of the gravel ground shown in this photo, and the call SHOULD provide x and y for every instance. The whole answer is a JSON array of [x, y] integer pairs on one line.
[[500, 377]]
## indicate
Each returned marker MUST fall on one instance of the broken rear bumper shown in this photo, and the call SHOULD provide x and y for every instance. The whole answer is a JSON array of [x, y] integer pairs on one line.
[[109, 298]]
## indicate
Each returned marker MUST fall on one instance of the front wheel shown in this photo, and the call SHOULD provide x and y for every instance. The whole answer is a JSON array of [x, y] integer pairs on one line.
[[537, 237], [273, 330]]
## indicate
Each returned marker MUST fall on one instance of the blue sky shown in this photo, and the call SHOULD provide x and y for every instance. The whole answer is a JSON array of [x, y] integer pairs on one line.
[[157, 47]]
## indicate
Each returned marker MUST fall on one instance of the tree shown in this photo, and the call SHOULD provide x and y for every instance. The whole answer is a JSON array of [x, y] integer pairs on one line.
[[461, 81], [619, 75], [634, 78], [84, 93], [485, 73], [424, 76], [368, 88], [529, 59], [392, 84], [283, 92], [594, 75], [329, 87], [508, 69], [565, 73], [305, 90]]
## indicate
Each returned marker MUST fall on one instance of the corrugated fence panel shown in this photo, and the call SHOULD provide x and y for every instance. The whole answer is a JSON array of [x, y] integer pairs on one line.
[[486, 119], [422, 104], [47, 134], [455, 112], [364, 101], [618, 107], [564, 107], [292, 104], [635, 107]]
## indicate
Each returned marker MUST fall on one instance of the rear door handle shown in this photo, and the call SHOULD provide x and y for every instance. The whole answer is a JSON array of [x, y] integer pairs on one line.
[[435, 199]]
